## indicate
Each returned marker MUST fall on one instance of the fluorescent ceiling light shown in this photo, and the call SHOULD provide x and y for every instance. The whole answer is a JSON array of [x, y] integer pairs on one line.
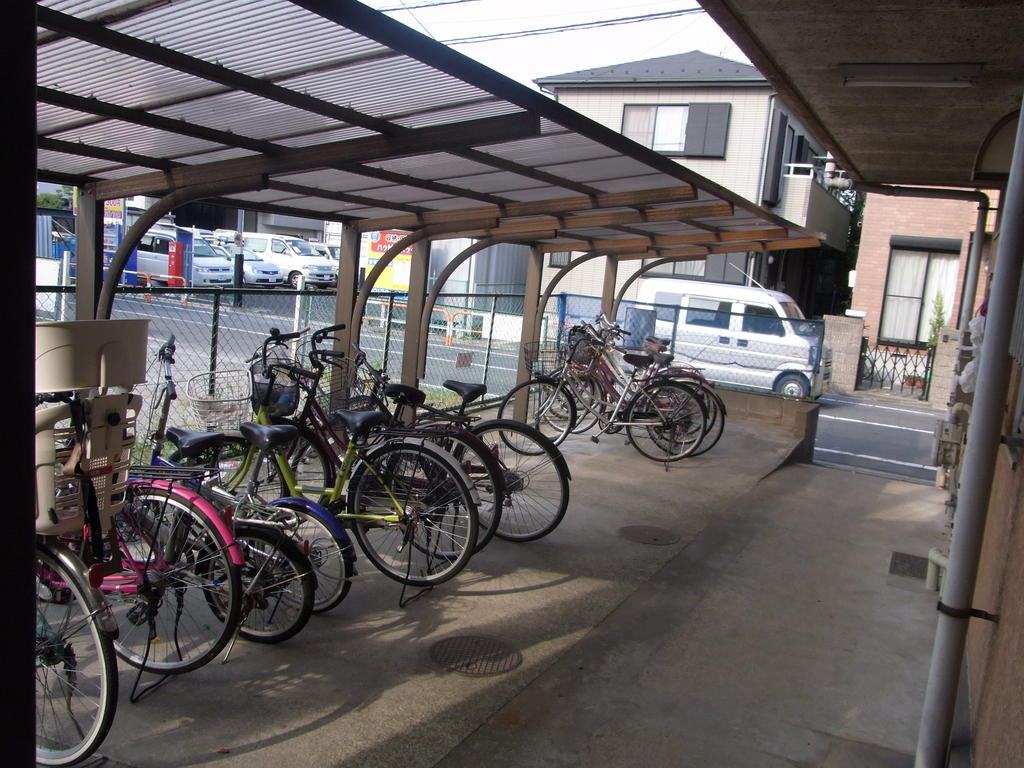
[[956, 75]]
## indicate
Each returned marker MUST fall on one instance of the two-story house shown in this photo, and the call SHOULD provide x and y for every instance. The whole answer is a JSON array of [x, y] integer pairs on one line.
[[722, 119]]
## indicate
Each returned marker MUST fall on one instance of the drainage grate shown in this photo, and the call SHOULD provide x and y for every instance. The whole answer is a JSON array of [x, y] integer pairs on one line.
[[914, 566], [475, 656], [648, 534]]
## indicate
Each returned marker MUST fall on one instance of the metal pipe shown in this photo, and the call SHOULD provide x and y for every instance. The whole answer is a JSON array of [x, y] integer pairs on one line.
[[970, 291], [983, 438]]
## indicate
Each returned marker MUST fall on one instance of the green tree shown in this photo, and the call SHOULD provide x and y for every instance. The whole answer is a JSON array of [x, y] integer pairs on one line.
[[60, 199], [938, 319]]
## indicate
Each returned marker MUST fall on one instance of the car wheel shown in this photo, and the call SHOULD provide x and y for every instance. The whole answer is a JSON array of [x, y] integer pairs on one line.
[[793, 385], [293, 279]]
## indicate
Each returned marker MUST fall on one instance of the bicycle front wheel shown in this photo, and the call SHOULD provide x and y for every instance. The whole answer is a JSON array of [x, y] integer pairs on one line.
[[278, 585], [413, 513], [666, 421], [536, 479], [76, 670], [177, 596], [548, 407]]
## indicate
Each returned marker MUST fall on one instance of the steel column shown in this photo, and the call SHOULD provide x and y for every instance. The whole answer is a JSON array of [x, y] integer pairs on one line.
[[983, 439], [418, 275], [88, 257]]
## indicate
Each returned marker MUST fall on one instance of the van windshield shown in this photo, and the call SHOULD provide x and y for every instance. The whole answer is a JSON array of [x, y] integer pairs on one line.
[[202, 249], [301, 247], [810, 328]]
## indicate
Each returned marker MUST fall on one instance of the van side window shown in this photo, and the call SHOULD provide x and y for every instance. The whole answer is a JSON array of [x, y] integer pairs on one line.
[[255, 243], [709, 313], [155, 244], [277, 246], [762, 320], [675, 299]]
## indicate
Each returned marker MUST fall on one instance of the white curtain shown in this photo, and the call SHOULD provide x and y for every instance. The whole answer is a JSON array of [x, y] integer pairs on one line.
[[903, 289], [670, 129], [638, 124], [942, 273]]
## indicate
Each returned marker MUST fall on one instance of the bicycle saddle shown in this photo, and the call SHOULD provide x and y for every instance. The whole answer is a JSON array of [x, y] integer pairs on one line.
[[662, 358], [192, 444], [404, 395], [264, 437], [358, 423], [468, 391], [636, 359]]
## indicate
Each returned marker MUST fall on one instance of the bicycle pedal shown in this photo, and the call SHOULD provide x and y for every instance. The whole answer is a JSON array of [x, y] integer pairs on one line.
[[594, 439]]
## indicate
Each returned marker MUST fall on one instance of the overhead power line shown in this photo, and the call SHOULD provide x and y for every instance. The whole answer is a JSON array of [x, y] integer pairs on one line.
[[424, 5], [569, 27]]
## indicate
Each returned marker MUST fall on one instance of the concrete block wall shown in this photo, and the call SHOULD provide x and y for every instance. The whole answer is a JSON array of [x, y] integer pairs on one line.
[[944, 367], [843, 334]]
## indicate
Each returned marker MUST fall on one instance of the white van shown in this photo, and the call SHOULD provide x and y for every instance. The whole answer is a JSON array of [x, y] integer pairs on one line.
[[209, 268], [738, 334], [294, 255]]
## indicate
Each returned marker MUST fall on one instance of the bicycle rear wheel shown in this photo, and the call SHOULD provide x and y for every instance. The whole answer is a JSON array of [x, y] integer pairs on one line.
[[536, 478], [435, 528], [549, 407], [178, 594], [76, 670], [666, 421], [278, 585]]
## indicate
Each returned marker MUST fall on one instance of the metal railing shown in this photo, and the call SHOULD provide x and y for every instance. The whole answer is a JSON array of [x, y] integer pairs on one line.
[[900, 369]]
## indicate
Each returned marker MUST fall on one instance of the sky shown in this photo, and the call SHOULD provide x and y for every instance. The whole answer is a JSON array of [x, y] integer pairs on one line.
[[528, 58]]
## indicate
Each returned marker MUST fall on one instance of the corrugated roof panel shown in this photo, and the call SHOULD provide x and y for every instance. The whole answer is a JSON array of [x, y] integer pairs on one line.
[[392, 86], [50, 117], [323, 137], [230, 153], [552, 148], [58, 162], [338, 181], [262, 196], [495, 183], [139, 139], [472, 110], [431, 166], [606, 168], [637, 183]]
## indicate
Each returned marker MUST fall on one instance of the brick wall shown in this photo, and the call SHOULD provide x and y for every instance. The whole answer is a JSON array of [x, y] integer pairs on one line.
[[843, 335], [885, 216]]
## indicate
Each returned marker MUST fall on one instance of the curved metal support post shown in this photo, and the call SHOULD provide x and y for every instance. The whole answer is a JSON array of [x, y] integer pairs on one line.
[[152, 215], [640, 273], [439, 281], [562, 273], [374, 275]]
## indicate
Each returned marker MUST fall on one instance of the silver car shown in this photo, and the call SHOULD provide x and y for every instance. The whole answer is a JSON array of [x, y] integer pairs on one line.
[[256, 273]]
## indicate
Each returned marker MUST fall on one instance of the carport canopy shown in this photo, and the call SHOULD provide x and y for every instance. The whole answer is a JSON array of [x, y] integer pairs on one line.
[[330, 110]]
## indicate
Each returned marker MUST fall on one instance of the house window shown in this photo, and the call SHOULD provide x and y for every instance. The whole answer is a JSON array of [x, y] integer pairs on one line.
[[696, 130], [688, 269], [917, 277], [559, 258]]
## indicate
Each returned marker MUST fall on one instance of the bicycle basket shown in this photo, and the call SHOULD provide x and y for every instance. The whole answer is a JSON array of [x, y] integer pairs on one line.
[[219, 398], [542, 358], [343, 387], [284, 395]]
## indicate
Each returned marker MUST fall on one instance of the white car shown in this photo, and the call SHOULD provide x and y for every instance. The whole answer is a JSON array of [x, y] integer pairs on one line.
[[257, 272]]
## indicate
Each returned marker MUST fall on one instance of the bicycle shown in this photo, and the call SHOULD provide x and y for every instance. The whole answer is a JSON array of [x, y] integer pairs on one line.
[[76, 688], [662, 417], [408, 503]]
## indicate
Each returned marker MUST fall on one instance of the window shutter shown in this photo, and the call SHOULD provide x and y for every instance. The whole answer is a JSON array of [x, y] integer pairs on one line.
[[707, 128], [771, 192]]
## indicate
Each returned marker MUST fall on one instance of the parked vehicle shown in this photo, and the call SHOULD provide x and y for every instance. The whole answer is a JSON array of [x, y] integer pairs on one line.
[[738, 334], [209, 268], [294, 255], [256, 272]]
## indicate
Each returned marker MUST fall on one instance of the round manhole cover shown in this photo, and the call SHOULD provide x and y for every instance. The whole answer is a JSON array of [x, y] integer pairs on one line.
[[476, 656], [648, 534]]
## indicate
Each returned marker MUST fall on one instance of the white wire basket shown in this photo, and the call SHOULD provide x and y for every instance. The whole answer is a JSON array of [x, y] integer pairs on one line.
[[220, 399]]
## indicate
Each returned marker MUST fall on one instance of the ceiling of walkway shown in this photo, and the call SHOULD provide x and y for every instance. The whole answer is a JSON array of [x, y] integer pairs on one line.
[[328, 109], [900, 91]]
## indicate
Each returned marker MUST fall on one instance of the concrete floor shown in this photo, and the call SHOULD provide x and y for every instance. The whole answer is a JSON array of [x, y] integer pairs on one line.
[[771, 633]]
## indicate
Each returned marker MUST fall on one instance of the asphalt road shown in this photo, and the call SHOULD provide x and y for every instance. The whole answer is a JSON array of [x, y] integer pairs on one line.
[[886, 437]]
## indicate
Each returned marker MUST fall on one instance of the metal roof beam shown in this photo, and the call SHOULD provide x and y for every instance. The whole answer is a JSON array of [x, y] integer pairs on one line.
[[79, 149], [132, 46], [341, 197], [419, 141]]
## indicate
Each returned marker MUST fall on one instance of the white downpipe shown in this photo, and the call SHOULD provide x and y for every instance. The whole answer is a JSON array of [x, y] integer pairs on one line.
[[983, 435], [937, 565]]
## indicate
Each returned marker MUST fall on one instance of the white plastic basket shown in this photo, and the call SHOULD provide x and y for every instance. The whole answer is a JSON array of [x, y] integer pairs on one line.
[[105, 457], [219, 398]]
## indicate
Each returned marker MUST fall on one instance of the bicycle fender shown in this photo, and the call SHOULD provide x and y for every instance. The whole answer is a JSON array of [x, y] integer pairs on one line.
[[210, 511], [316, 510]]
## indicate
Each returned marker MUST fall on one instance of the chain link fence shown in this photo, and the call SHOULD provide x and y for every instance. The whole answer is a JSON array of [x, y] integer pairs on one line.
[[752, 349], [473, 337]]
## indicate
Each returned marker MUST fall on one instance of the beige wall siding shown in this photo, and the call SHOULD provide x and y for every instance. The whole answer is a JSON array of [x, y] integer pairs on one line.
[[748, 121]]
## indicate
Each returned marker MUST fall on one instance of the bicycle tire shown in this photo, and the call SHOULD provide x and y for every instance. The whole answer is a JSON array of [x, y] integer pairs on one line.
[[75, 664], [536, 478], [278, 585], [178, 594], [716, 420], [673, 421], [484, 472], [436, 533], [550, 407], [324, 541]]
